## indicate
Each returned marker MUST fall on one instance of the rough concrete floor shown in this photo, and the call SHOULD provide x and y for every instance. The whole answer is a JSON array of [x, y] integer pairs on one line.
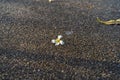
[[91, 50]]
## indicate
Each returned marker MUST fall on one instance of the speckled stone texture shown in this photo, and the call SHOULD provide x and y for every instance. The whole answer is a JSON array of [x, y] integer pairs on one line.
[[91, 50]]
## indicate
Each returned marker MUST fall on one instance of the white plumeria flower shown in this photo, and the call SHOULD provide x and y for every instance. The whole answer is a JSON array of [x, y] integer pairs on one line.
[[51, 0], [58, 41]]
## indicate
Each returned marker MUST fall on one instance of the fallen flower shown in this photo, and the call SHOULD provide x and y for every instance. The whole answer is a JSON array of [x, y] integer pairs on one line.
[[51, 0], [58, 41]]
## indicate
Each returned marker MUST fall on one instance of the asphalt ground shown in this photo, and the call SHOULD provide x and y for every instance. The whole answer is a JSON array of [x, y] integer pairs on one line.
[[91, 50]]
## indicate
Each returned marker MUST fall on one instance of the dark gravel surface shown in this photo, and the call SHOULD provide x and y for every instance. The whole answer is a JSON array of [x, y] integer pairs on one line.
[[91, 50]]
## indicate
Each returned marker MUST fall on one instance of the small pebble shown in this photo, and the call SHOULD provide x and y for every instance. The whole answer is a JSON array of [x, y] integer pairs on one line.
[[68, 32]]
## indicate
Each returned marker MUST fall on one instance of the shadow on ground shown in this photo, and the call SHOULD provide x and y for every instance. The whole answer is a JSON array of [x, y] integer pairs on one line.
[[17, 64]]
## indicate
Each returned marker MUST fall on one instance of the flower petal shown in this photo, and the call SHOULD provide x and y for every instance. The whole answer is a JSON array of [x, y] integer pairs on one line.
[[60, 36], [56, 44], [61, 42], [53, 41]]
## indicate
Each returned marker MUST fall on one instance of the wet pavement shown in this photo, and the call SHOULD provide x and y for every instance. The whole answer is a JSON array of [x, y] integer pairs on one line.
[[91, 50]]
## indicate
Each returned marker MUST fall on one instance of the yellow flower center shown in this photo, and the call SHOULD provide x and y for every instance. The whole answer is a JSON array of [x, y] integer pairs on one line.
[[57, 40]]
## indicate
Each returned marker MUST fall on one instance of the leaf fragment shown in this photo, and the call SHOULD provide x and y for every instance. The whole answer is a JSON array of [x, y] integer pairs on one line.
[[109, 22]]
